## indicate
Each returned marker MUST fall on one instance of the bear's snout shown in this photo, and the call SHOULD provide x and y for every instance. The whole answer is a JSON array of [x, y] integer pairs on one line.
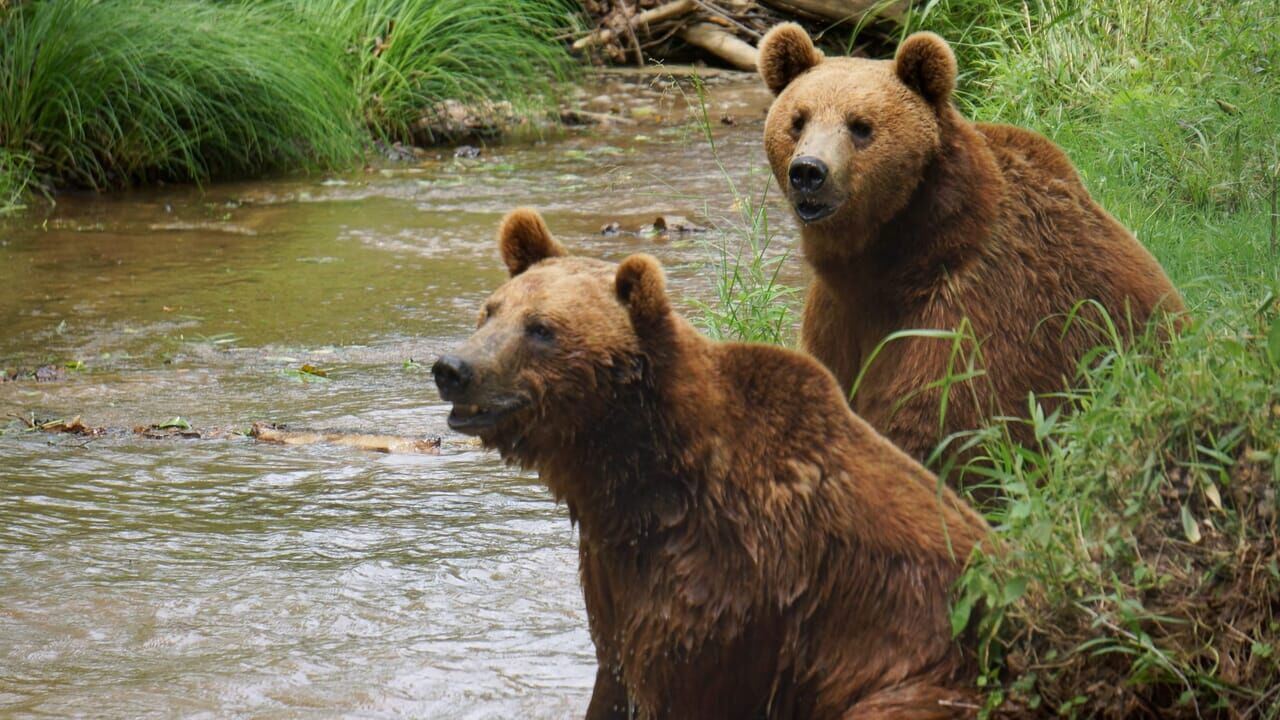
[[807, 174], [453, 376]]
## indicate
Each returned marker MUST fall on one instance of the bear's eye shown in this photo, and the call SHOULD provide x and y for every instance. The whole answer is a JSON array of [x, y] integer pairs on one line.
[[797, 124], [860, 131], [539, 331]]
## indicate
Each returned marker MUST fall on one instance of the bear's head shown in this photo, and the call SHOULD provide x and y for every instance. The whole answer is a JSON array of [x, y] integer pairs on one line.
[[560, 347], [850, 139]]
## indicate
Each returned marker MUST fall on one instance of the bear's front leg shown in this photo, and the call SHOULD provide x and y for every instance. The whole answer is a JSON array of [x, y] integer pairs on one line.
[[830, 334], [609, 697]]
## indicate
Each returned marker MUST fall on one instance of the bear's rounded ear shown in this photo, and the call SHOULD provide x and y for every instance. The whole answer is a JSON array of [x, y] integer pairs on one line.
[[926, 64], [525, 240], [642, 288], [786, 52]]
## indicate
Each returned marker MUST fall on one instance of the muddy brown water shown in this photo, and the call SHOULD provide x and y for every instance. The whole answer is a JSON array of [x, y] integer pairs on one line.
[[225, 577]]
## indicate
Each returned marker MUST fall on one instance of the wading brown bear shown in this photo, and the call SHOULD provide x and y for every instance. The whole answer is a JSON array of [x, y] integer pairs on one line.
[[749, 548], [912, 217]]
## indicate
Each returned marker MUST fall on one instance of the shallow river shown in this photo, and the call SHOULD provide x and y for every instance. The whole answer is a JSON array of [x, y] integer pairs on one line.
[[223, 576]]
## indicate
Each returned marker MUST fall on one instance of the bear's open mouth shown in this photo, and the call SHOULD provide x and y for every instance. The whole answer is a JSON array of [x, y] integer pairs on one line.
[[812, 210], [472, 419]]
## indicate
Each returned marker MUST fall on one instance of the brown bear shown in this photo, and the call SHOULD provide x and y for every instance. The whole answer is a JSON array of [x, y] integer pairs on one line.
[[914, 218], [749, 548]]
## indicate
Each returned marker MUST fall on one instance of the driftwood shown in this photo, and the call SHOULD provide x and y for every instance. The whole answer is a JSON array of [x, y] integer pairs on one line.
[[721, 43], [727, 30], [843, 10], [377, 443], [656, 15], [576, 116]]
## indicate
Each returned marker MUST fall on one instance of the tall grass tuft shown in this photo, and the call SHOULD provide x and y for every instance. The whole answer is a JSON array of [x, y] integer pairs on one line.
[[101, 94], [15, 174], [404, 56], [751, 303]]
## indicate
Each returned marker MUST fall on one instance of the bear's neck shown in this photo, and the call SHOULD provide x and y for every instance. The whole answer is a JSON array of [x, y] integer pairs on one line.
[[944, 225], [636, 472]]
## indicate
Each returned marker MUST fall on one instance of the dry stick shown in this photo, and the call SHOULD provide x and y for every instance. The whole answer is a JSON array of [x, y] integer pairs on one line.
[[599, 117], [725, 45], [658, 14], [631, 35], [728, 18], [842, 10]]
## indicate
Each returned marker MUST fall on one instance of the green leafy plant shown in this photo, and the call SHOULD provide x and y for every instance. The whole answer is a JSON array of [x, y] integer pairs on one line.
[[751, 304]]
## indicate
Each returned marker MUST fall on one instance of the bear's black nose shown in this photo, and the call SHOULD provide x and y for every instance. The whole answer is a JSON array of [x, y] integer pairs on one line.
[[807, 173], [453, 375]]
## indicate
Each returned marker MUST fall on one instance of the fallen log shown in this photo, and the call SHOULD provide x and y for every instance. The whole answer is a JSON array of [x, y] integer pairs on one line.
[[843, 10], [377, 443], [654, 15], [721, 43], [575, 116]]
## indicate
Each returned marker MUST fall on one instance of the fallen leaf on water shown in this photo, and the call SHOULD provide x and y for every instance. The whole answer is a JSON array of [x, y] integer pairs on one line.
[[313, 370], [174, 427]]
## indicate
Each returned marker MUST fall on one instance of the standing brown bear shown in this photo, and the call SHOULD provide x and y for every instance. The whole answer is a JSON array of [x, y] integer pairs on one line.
[[749, 547], [912, 217]]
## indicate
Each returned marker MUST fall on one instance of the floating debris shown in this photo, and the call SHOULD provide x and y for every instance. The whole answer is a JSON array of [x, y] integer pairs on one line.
[[74, 426]]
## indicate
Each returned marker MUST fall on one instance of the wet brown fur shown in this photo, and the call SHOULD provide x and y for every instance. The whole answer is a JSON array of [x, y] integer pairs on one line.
[[944, 219], [749, 547]]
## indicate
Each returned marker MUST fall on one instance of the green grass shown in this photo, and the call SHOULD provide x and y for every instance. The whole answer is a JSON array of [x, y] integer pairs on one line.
[[405, 56], [103, 94]]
